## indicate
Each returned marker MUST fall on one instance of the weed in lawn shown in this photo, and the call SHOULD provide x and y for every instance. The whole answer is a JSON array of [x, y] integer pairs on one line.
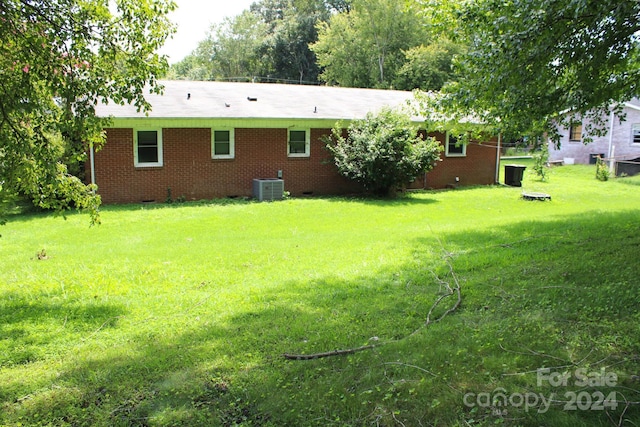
[[540, 167]]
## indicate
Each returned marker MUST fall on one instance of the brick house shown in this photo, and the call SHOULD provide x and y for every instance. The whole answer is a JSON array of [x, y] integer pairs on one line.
[[207, 140]]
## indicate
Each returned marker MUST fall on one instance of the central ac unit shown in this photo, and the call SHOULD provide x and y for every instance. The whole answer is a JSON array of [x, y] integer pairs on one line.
[[268, 189]]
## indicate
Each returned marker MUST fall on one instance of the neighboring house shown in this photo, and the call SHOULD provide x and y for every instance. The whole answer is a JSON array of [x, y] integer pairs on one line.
[[622, 141], [207, 140]]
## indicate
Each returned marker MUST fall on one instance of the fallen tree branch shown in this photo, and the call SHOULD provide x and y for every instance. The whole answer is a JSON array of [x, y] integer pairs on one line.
[[620, 419], [450, 290], [328, 353]]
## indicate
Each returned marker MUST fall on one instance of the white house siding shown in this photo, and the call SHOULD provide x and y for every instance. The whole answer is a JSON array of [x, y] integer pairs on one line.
[[622, 141]]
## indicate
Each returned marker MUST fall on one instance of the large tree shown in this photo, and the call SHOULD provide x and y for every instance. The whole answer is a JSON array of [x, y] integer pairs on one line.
[[270, 41], [364, 46], [292, 27], [534, 64], [229, 51], [58, 58], [428, 67]]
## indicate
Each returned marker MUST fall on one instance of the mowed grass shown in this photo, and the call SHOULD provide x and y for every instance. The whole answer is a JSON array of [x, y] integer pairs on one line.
[[171, 315]]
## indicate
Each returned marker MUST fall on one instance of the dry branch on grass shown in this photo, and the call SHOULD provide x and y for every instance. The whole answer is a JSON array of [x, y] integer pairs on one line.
[[450, 290], [328, 353]]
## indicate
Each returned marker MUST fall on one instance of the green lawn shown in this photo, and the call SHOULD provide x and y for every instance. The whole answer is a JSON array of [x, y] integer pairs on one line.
[[180, 314]]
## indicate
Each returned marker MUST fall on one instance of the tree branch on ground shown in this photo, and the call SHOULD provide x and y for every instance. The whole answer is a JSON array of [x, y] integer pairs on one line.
[[450, 290]]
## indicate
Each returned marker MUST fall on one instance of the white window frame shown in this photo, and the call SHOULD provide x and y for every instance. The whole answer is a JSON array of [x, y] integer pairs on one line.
[[136, 161], [635, 133], [448, 154], [232, 144], [307, 142]]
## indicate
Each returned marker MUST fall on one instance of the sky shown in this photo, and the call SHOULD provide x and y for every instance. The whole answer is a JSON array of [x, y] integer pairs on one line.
[[193, 18]]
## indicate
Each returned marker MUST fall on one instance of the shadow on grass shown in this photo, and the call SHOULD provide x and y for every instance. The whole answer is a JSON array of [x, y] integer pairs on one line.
[[401, 200], [560, 293], [31, 328], [27, 215], [628, 180]]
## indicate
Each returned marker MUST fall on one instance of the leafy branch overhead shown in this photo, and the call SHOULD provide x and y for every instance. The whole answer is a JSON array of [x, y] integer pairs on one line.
[[532, 65], [520, 67], [58, 58]]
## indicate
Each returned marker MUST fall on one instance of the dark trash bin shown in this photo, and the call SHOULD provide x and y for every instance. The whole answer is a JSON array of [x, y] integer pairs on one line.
[[513, 175], [628, 167]]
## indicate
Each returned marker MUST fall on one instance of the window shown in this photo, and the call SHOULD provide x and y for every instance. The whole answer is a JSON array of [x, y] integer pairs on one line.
[[298, 143], [575, 132], [147, 147], [454, 148], [222, 146], [635, 134]]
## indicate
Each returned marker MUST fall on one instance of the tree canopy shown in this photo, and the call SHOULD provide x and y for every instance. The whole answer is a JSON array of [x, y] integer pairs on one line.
[[229, 50], [364, 47], [533, 65], [270, 41], [58, 58], [428, 67], [355, 43]]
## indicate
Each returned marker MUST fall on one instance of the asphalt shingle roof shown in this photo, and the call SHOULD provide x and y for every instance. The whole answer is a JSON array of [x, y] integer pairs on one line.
[[208, 99]]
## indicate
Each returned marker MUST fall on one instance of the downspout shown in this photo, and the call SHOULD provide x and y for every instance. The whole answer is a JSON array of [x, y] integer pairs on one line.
[[92, 163], [610, 152], [498, 159]]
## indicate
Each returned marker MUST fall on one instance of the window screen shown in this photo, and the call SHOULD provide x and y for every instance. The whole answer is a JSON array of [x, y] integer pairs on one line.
[[297, 142], [148, 146], [221, 143]]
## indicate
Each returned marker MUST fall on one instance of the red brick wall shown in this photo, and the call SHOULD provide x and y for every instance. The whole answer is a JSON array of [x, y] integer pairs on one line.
[[478, 167], [189, 171]]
